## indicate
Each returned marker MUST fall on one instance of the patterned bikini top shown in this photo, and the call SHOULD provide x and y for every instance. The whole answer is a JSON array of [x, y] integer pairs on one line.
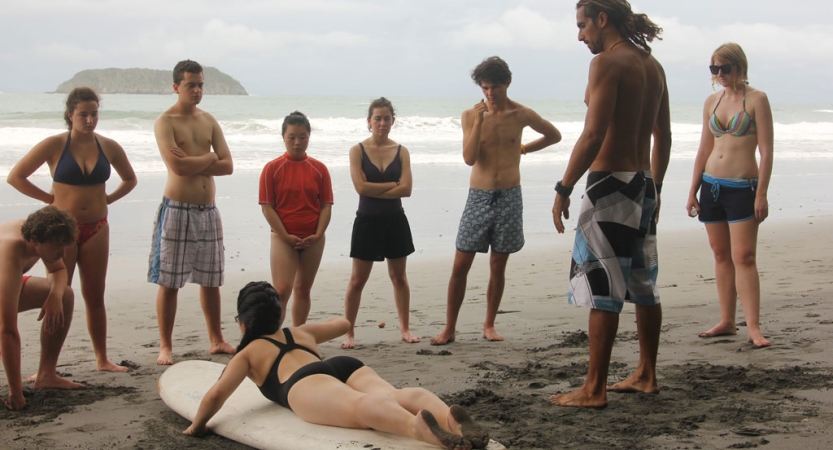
[[741, 124]]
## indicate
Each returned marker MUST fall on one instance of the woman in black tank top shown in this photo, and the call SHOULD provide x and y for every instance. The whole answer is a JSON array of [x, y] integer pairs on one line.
[[381, 173], [349, 395]]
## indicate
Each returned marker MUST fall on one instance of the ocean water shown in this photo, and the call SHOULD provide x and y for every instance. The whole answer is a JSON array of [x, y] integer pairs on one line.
[[430, 128]]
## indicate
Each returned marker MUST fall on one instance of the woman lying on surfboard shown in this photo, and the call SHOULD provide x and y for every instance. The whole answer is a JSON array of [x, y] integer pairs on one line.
[[339, 391]]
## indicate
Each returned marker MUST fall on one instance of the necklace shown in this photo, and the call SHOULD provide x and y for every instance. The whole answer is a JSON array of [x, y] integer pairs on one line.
[[614, 45]]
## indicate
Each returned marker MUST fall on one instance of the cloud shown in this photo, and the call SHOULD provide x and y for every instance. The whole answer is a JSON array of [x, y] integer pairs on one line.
[[217, 39], [59, 51], [517, 27], [683, 43], [152, 8]]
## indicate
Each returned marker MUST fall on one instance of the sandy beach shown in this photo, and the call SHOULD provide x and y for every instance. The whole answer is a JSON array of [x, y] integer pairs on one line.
[[716, 393]]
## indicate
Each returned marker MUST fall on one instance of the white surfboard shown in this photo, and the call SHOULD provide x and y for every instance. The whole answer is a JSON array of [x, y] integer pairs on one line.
[[249, 418]]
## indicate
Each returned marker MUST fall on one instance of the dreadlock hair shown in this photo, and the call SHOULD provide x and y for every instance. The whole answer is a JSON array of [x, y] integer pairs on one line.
[[259, 310], [637, 28]]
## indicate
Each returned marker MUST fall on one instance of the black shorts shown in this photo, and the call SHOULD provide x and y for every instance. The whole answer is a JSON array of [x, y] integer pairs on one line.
[[376, 237], [721, 203]]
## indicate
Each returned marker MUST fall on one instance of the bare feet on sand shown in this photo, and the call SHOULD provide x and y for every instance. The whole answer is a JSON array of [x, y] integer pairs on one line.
[[758, 340], [459, 422], [580, 399], [53, 381], [721, 329], [409, 338], [491, 335], [443, 338], [224, 348], [428, 430], [348, 342], [165, 357], [110, 367], [635, 384]]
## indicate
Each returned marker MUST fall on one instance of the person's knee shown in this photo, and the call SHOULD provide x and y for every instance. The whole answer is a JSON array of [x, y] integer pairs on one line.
[[356, 284], [68, 299], [413, 393], [722, 254], [497, 261], [744, 258], [399, 280]]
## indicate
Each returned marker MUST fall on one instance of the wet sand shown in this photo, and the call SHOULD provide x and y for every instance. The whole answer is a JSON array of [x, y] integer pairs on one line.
[[715, 393]]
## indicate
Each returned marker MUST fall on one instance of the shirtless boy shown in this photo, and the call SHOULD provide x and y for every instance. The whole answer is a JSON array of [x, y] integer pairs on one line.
[[493, 215], [42, 236], [615, 253], [188, 232]]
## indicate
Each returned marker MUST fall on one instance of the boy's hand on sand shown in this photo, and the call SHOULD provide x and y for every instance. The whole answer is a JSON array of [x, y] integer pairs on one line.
[[15, 402]]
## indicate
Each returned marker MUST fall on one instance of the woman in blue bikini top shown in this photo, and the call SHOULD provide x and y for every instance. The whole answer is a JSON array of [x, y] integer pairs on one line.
[[733, 185]]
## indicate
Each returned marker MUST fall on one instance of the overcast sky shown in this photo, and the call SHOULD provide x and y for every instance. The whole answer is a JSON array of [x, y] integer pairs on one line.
[[395, 48]]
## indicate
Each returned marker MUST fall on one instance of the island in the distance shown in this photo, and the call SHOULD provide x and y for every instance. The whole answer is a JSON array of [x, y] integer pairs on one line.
[[147, 81]]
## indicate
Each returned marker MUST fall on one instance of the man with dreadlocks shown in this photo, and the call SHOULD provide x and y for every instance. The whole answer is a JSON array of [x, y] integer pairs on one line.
[[615, 253]]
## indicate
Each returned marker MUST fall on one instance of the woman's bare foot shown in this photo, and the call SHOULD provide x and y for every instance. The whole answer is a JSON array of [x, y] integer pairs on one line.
[[428, 430], [491, 335], [53, 381], [165, 357], [443, 338], [580, 399], [110, 367], [409, 338], [348, 342], [721, 329], [224, 348], [633, 384], [460, 422], [758, 340]]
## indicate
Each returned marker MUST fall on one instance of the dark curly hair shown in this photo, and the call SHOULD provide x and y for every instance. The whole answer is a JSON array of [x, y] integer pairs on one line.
[[259, 310], [637, 28], [50, 225], [76, 96], [493, 70]]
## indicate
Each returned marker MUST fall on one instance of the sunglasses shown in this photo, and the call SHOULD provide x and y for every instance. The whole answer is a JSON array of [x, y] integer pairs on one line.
[[725, 68]]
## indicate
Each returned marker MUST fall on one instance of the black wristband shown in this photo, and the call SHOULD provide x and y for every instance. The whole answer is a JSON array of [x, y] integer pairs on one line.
[[562, 190], [659, 187]]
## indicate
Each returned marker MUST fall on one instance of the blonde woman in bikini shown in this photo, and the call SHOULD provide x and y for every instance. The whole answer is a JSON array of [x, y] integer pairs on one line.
[[733, 185]]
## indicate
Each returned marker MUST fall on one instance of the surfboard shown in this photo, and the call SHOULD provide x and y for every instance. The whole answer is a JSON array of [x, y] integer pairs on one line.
[[249, 418]]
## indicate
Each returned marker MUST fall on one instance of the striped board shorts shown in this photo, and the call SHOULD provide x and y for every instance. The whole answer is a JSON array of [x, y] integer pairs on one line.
[[187, 245], [615, 252]]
